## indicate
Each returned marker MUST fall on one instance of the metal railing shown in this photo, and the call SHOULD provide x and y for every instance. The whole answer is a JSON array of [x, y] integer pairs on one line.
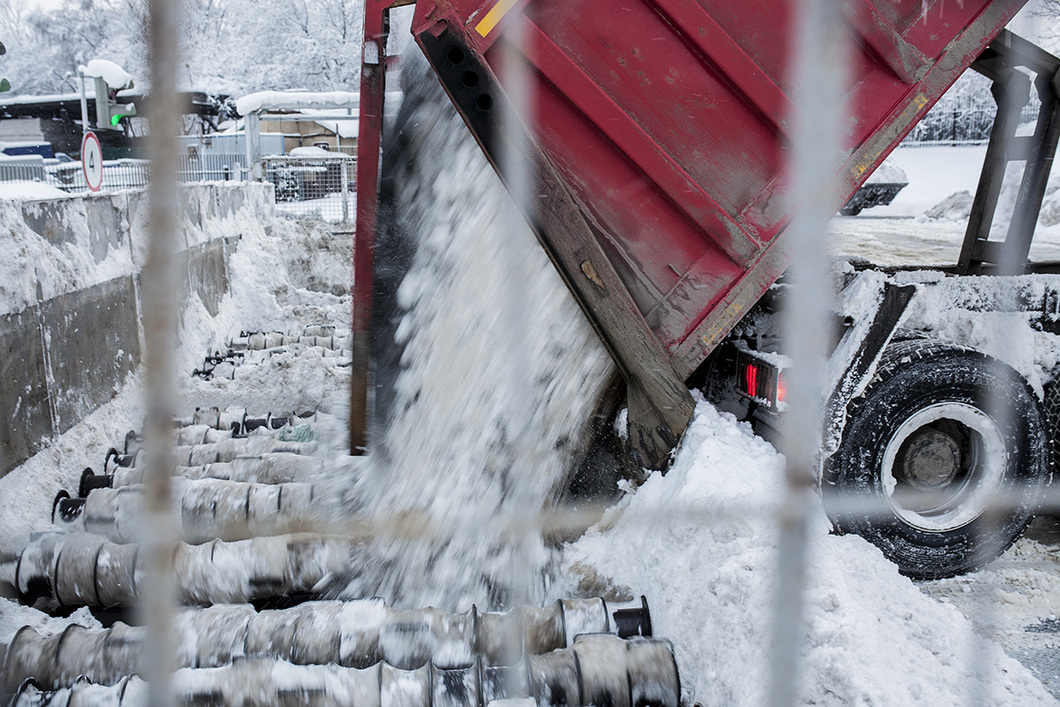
[[319, 185], [213, 167]]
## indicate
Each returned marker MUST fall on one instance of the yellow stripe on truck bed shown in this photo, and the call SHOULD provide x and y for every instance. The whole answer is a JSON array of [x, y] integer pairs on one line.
[[494, 16]]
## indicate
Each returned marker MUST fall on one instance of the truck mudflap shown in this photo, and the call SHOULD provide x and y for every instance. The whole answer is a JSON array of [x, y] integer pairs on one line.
[[653, 137]]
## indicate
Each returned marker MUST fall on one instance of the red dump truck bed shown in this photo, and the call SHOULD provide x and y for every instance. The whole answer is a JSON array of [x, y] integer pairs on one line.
[[661, 129]]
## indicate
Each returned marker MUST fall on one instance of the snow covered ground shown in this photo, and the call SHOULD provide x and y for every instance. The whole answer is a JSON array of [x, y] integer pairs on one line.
[[902, 233], [699, 542]]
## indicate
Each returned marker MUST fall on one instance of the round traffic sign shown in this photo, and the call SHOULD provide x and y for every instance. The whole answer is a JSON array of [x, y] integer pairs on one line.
[[92, 161]]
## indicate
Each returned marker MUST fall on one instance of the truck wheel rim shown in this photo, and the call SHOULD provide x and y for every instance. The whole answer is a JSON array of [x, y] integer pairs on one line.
[[943, 466]]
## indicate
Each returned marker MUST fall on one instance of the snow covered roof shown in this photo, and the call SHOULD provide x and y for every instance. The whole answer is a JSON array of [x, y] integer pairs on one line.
[[296, 100], [317, 152], [344, 124]]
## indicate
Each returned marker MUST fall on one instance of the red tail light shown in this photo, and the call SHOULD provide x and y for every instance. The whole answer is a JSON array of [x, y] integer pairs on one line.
[[760, 380]]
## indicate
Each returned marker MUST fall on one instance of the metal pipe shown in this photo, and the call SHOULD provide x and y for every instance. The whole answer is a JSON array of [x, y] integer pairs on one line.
[[316, 335], [227, 450], [160, 325], [234, 420], [210, 509], [596, 669], [271, 468], [78, 569], [355, 634], [820, 61]]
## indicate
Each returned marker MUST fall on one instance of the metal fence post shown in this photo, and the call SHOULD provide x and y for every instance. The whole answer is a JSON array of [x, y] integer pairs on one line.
[[158, 591], [252, 134], [345, 190]]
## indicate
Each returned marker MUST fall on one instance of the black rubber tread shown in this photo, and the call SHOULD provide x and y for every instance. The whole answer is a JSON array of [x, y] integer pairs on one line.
[[911, 375], [1051, 406]]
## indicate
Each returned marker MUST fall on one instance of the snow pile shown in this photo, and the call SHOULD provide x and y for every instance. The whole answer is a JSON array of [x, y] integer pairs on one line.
[[888, 173], [885, 235], [24, 190], [283, 273], [955, 207], [317, 152], [70, 257], [276, 278], [871, 636]]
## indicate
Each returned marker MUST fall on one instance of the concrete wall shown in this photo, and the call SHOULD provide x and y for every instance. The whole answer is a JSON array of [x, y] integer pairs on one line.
[[70, 324]]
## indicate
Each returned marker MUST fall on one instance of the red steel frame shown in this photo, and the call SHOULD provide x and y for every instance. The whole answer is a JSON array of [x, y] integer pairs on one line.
[[369, 142]]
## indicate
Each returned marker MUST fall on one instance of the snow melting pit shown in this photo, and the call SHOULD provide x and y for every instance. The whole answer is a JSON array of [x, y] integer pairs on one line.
[[248, 485]]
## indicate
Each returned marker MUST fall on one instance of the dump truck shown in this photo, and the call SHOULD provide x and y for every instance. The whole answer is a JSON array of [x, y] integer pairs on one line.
[[654, 135]]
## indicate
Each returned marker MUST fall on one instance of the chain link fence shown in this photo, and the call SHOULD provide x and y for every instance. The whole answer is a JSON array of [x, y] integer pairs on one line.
[[313, 182]]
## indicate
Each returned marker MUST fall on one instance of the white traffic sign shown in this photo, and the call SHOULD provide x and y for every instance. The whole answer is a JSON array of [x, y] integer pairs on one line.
[[92, 161]]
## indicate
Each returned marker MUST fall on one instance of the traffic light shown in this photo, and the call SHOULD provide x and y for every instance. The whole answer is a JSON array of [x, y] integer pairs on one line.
[[5, 85], [108, 111]]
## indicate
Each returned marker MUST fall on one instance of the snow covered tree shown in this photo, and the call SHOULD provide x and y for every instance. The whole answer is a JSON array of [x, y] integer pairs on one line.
[[229, 46]]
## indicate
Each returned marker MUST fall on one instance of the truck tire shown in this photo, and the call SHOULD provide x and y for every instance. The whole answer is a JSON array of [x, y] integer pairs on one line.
[[1051, 405], [942, 461]]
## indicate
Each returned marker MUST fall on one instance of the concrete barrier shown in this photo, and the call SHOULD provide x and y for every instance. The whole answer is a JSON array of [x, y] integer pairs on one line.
[[70, 326]]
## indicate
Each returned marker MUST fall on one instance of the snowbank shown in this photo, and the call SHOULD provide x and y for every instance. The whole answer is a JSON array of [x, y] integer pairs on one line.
[[700, 542], [53, 247], [21, 191]]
